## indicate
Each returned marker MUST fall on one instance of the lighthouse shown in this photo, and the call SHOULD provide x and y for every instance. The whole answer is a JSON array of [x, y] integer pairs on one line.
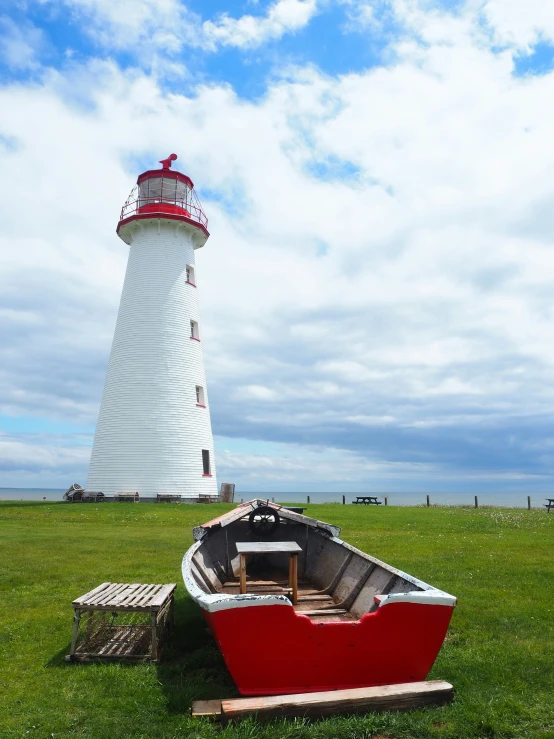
[[154, 431]]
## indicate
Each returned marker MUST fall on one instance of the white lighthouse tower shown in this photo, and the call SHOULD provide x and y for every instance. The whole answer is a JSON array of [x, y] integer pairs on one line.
[[154, 432]]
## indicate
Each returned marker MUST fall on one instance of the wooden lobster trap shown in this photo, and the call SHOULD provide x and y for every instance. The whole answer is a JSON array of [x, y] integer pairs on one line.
[[122, 621]]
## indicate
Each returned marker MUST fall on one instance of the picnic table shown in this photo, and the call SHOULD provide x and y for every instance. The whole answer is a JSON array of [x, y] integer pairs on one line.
[[366, 500], [549, 505]]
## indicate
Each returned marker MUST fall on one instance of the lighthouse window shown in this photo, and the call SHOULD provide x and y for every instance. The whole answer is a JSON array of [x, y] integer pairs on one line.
[[200, 396], [206, 461], [194, 330], [190, 274]]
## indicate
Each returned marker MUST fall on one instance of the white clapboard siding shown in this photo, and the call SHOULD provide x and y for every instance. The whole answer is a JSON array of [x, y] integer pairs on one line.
[[150, 432]]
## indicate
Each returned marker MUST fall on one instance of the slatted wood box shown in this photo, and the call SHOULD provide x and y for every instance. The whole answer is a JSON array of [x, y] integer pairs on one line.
[[123, 621]]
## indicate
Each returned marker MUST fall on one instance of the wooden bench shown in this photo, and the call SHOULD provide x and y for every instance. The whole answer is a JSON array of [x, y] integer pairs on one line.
[[549, 505], [366, 500], [205, 498], [106, 637], [92, 496], [126, 497], [168, 498]]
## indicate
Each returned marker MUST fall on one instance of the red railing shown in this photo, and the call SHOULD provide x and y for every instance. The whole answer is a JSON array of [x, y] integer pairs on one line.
[[153, 206]]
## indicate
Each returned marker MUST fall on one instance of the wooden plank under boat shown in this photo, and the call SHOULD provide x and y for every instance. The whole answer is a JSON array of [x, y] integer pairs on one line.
[[358, 622], [403, 697]]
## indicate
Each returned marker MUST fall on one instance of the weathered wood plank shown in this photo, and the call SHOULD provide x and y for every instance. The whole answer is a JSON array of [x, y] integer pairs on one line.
[[128, 595], [245, 508], [93, 657], [154, 594], [100, 596], [121, 597], [239, 512], [401, 697], [270, 583], [293, 577], [235, 583], [100, 607], [321, 611], [140, 594], [307, 520], [268, 547], [125, 597], [325, 619], [92, 593], [143, 598], [207, 709], [108, 597], [242, 573], [160, 598]]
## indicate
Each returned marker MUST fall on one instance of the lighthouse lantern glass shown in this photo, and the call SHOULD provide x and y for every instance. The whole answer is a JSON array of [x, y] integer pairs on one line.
[[159, 194], [163, 189]]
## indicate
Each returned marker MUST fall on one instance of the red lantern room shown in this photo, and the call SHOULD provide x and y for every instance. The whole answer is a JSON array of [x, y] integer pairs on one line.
[[163, 194]]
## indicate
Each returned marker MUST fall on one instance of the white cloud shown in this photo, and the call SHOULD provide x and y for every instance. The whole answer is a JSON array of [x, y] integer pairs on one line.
[[302, 464], [32, 461], [431, 300], [258, 392], [155, 28], [284, 16], [142, 26], [520, 23], [19, 44]]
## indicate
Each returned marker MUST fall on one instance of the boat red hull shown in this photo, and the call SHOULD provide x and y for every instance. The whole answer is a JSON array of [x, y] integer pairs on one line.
[[271, 650]]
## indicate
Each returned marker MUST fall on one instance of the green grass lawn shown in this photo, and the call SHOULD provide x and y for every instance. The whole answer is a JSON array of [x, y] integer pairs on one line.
[[499, 653]]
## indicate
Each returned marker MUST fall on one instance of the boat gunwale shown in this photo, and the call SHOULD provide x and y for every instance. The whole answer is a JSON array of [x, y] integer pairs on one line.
[[426, 595], [221, 601], [205, 529]]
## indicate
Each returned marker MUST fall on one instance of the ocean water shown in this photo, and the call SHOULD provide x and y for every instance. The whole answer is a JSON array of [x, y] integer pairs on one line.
[[504, 499], [31, 494], [508, 499]]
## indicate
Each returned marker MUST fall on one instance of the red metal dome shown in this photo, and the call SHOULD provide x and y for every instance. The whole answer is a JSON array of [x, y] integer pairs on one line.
[[163, 193]]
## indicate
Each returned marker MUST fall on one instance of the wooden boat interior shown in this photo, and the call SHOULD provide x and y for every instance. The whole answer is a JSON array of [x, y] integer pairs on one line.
[[336, 582]]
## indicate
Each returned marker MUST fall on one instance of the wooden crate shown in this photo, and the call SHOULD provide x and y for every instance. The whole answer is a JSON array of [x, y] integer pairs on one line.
[[122, 621]]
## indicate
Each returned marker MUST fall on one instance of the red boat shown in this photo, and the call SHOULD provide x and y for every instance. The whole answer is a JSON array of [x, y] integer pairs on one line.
[[311, 612]]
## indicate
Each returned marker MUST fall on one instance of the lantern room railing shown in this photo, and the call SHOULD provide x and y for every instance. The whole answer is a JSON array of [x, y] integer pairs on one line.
[[188, 207]]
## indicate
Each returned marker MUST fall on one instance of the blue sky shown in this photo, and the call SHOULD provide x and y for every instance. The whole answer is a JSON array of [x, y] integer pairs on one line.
[[378, 179], [329, 41]]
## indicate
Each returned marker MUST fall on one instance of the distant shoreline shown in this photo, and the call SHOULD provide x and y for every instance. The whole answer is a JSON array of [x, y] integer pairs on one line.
[[447, 499]]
